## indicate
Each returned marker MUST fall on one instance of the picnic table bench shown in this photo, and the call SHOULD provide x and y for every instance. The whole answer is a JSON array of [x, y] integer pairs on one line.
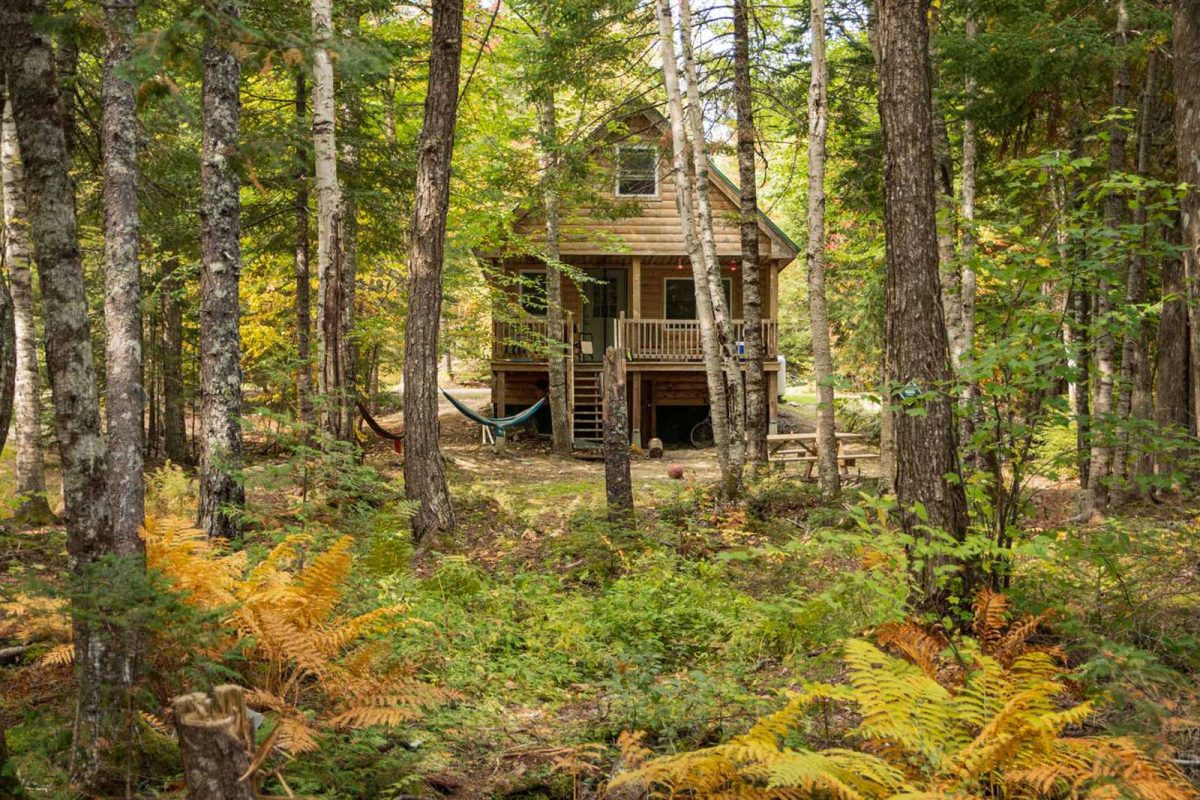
[[801, 448]]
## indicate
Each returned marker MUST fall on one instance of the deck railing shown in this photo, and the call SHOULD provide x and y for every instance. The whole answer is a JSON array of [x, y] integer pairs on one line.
[[641, 339], [679, 339]]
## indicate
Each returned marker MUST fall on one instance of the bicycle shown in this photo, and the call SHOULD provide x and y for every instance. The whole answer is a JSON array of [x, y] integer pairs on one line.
[[702, 433]]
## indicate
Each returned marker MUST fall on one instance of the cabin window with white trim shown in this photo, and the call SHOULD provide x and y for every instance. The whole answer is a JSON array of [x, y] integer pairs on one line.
[[637, 171]]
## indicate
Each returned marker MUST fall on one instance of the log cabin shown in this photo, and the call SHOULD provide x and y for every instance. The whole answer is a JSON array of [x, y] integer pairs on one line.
[[632, 288]]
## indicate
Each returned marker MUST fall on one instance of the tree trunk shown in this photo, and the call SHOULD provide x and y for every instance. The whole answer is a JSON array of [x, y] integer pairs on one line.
[[331, 345], [125, 404], [424, 475], [970, 167], [221, 491], [951, 278], [756, 379], [618, 483], [348, 257], [917, 356], [216, 744], [1172, 408], [735, 383], [27, 408], [556, 358], [1187, 143], [8, 361], [1104, 347], [1133, 340], [685, 200], [304, 381], [28, 62], [818, 320], [174, 429]]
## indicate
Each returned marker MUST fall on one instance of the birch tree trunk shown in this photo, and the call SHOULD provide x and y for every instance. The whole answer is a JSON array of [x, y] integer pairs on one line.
[[424, 475], [174, 429], [917, 355], [331, 346], [304, 381], [756, 379], [1187, 143], [8, 362], [221, 491], [1104, 346], [27, 406], [735, 379], [684, 198], [818, 320], [1133, 338], [28, 63], [556, 358], [970, 168], [122, 283]]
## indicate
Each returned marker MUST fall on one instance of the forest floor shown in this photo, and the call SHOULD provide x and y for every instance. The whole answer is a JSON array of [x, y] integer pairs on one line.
[[558, 631]]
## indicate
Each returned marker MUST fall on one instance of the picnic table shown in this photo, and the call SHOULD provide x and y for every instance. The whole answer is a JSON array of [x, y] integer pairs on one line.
[[801, 448]]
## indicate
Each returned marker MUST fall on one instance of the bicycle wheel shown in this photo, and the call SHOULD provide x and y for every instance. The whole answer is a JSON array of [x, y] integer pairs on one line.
[[702, 435]]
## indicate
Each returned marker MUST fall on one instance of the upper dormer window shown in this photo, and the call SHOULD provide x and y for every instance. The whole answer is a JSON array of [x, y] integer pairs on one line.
[[637, 171]]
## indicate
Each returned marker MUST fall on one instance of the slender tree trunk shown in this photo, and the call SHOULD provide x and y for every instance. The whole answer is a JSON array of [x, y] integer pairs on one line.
[[1172, 408], [1104, 346], [918, 357], [304, 380], [1081, 302], [8, 362], [125, 404], [818, 320], [618, 483], [684, 198], [348, 259], [968, 281], [556, 358], [66, 64], [424, 475], [221, 490], [756, 379], [951, 278], [1187, 144], [31, 468], [331, 350], [28, 62], [1133, 338], [735, 379], [173, 424]]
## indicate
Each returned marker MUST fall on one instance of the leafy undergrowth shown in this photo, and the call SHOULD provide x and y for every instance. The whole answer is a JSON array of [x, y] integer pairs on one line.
[[549, 632]]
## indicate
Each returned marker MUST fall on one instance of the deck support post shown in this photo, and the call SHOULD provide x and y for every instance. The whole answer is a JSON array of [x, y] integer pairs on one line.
[[636, 433], [500, 391], [772, 402]]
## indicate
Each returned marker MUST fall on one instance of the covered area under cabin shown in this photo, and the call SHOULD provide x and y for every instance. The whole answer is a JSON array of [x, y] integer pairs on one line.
[[628, 284]]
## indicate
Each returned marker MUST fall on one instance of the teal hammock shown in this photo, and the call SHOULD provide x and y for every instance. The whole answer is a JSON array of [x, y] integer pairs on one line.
[[497, 425]]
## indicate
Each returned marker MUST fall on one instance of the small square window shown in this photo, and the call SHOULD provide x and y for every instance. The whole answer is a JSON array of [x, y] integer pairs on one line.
[[637, 172]]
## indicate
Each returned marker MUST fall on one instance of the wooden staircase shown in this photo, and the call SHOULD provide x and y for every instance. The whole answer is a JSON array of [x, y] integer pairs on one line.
[[587, 406]]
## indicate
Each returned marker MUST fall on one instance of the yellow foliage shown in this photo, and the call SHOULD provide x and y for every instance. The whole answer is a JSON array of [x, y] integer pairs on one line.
[[306, 663], [991, 728]]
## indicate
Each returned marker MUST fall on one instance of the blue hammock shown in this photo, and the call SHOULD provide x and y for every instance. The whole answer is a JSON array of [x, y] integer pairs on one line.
[[498, 425]]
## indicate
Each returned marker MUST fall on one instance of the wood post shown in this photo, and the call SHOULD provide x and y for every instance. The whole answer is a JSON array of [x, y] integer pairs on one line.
[[216, 744], [618, 483], [637, 409], [773, 402], [635, 287]]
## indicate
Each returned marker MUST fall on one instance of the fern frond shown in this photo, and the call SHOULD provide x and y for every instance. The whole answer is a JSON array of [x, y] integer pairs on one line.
[[915, 643], [991, 615], [58, 656]]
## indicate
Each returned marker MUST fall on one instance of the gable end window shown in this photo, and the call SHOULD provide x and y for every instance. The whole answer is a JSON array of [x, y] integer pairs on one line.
[[637, 172]]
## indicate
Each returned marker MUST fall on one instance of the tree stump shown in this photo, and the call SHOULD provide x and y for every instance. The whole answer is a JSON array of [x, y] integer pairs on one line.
[[618, 483], [216, 744]]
